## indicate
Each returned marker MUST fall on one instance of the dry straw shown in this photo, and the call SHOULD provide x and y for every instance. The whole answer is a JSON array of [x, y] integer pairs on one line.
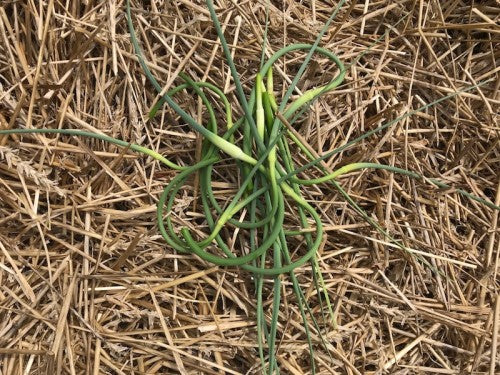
[[403, 268]]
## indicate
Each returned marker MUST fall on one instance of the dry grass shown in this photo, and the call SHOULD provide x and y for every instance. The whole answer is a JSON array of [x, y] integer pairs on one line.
[[87, 286]]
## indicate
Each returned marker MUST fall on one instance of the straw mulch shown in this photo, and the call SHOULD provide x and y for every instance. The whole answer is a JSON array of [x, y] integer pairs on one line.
[[87, 284]]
